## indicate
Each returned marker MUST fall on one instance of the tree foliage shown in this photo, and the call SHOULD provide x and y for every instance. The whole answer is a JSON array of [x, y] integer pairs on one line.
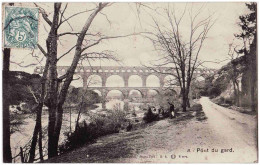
[[248, 22], [75, 96], [248, 35], [21, 86]]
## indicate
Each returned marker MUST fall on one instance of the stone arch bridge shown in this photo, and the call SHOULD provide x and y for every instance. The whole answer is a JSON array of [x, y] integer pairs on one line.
[[125, 72]]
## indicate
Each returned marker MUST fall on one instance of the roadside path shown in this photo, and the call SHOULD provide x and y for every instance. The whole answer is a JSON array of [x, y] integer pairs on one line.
[[169, 141]]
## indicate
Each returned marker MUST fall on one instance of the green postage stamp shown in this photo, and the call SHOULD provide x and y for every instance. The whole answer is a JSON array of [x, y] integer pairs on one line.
[[21, 27]]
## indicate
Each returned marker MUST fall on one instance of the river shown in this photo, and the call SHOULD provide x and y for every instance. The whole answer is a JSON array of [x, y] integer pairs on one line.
[[23, 136]]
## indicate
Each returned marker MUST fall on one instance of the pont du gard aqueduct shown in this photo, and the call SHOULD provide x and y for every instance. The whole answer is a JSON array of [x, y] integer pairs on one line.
[[125, 72]]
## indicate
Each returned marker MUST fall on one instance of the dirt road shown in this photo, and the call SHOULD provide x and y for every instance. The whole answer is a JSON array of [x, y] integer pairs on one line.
[[234, 130], [232, 135]]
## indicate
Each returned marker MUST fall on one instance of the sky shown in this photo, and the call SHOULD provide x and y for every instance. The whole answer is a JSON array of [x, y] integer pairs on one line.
[[126, 18]]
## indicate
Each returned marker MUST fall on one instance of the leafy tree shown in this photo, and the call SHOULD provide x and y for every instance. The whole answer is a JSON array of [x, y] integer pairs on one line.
[[23, 88], [75, 94], [248, 24]]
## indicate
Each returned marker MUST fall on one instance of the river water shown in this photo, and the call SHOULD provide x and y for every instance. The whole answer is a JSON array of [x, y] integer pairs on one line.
[[23, 136]]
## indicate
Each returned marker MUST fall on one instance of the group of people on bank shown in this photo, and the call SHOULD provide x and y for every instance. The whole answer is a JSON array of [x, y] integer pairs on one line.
[[154, 113]]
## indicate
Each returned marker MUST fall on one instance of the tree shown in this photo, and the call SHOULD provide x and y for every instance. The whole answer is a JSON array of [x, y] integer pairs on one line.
[[248, 24], [176, 51], [57, 87], [7, 155], [54, 89], [81, 98], [57, 98], [234, 70], [38, 126]]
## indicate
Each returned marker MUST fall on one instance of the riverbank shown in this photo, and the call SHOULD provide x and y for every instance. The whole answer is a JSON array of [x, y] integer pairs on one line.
[[189, 138], [131, 146], [22, 136]]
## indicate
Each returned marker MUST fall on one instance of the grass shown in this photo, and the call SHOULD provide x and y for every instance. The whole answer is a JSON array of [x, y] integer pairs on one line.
[[227, 103], [195, 111]]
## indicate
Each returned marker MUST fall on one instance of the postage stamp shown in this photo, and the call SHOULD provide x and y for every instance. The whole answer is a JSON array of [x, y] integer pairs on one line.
[[21, 27]]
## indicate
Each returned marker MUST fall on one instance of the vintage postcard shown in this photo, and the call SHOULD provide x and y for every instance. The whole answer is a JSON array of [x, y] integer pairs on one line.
[[137, 82]]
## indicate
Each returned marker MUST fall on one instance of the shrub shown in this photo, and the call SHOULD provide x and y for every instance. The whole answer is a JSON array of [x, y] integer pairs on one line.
[[225, 101], [229, 100], [221, 100], [200, 115], [84, 134], [196, 107], [100, 125], [245, 101]]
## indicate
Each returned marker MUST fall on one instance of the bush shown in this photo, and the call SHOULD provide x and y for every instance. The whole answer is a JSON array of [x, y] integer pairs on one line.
[[245, 101], [100, 125], [221, 100], [75, 95], [225, 101], [84, 134], [229, 101], [196, 107], [200, 115]]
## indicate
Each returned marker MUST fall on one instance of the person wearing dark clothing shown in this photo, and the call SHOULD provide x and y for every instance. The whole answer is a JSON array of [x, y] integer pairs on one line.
[[172, 111], [129, 126], [149, 116]]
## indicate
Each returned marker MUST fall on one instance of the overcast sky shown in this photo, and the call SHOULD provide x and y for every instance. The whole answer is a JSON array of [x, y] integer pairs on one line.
[[123, 19]]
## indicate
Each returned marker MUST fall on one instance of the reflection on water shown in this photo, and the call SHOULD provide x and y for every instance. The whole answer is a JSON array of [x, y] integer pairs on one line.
[[23, 136]]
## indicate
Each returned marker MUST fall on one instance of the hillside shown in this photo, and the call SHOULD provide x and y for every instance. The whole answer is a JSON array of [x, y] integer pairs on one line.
[[24, 87], [221, 84]]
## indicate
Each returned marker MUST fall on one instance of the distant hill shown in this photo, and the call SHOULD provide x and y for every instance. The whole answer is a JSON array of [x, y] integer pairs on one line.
[[23, 84]]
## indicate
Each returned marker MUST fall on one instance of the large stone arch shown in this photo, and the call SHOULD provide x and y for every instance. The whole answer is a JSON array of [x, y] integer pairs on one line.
[[132, 90], [171, 92], [94, 80], [108, 92], [169, 81], [77, 81], [114, 101], [135, 80], [98, 92], [116, 82], [152, 89], [153, 80]]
